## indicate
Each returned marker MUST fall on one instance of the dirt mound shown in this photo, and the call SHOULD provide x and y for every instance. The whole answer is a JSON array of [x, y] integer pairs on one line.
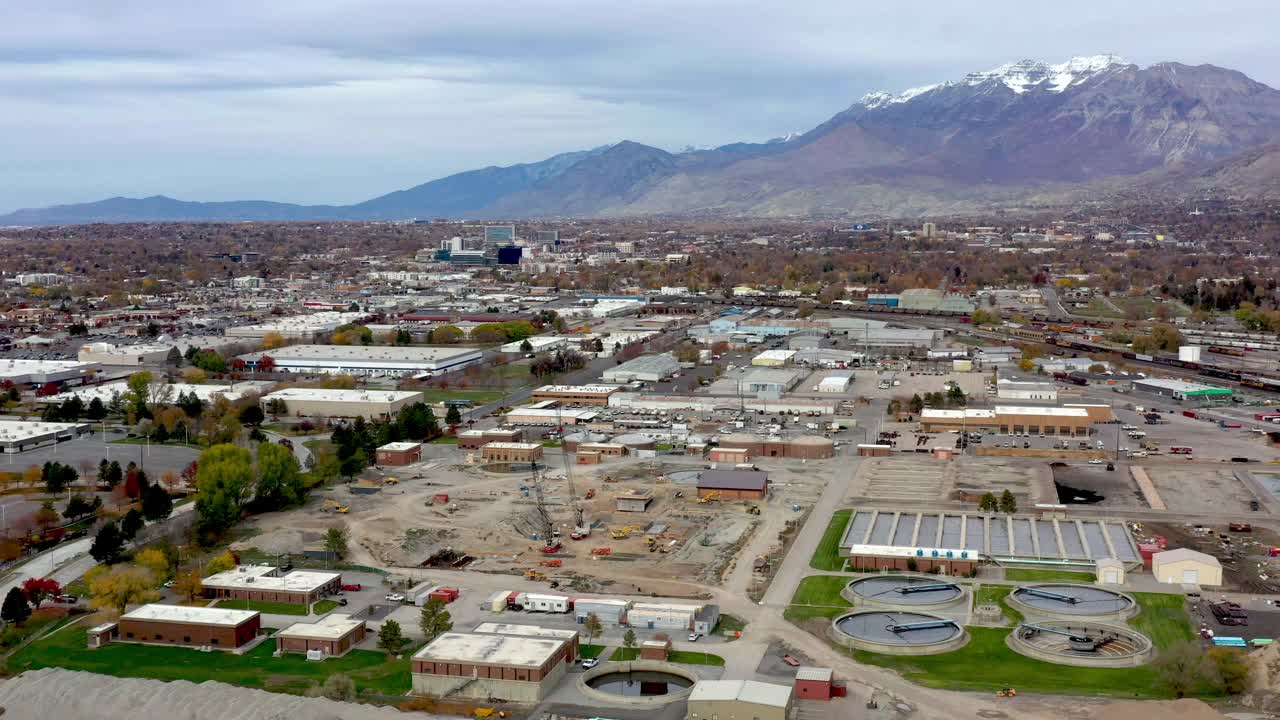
[[1185, 709]]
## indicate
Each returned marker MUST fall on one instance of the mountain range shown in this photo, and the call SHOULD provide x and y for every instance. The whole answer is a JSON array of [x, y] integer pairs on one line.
[[995, 138]]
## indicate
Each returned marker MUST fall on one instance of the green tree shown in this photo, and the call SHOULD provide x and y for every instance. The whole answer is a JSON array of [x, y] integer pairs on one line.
[[252, 415], [131, 523], [592, 627], [335, 541], [156, 503], [390, 638], [446, 335], [453, 416], [1231, 669], [16, 609], [629, 639], [526, 346], [916, 404], [79, 506], [1181, 668], [403, 337], [139, 393], [955, 396], [108, 544], [985, 317], [279, 479], [354, 464], [1008, 504], [224, 482], [435, 620], [988, 503], [210, 361]]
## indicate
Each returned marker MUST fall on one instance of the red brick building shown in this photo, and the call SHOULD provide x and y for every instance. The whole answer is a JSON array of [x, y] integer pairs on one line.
[[158, 624], [399, 453], [333, 635]]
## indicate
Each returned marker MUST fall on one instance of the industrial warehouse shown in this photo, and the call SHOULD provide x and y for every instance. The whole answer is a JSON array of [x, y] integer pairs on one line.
[[266, 582], [322, 403], [482, 665], [1006, 419], [369, 360], [199, 627]]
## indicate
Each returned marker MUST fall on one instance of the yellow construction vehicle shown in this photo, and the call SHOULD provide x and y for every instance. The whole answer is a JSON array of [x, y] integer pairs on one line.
[[534, 575], [391, 481], [709, 497], [1006, 692], [623, 533], [334, 506]]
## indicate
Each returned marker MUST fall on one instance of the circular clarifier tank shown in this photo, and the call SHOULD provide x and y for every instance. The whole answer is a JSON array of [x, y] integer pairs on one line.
[[640, 683], [1066, 600], [898, 633], [1081, 643], [903, 591]]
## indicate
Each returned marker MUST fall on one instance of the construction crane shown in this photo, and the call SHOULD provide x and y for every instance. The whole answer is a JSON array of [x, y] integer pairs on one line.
[[580, 527], [550, 542]]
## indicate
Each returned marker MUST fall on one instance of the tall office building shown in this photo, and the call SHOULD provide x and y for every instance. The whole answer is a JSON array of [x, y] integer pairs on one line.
[[499, 235], [928, 230]]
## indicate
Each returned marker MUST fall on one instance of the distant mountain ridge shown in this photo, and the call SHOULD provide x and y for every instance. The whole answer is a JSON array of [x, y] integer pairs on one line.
[[989, 139]]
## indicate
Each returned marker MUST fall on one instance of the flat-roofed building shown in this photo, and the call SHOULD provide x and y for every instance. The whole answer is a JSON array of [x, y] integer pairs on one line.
[[635, 501], [476, 439], [646, 368], [570, 637], [773, 358], [576, 394], [511, 452], [544, 414], [739, 700], [370, 360], [128, 355], [1005, 419], [266, 582], [158, 624], [18, 436], [399, 453], [733, 484], [321, 402], [1182, 391], [161, 393], [333, 635], [484, 666], [301, 327], [39, 372]]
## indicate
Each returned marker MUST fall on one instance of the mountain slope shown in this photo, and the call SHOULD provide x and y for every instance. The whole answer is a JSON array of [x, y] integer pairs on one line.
[[1025, 130]]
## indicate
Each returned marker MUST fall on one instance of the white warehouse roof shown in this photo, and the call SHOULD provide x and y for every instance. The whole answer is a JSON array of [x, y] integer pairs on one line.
[[157, 612], [750, 691], [489, 649]]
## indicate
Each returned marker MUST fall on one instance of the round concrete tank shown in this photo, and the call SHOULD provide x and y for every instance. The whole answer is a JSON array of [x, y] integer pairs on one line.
[[636, 441]]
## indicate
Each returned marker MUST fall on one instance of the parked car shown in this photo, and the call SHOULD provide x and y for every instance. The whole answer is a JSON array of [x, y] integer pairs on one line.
[[395, 597], [351, 587], [693, 637], [589, 663]]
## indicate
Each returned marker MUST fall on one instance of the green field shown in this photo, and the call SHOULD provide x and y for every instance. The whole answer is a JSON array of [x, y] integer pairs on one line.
[[372, 671], [827, 556], [477, 397], [587, 652], [323, 606], [1037, 575], [684, 657], [987, 664], [996, 594], [264, 606], [1143, 307]]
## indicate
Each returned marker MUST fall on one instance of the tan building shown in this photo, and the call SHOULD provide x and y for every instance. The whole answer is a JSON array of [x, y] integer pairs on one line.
[[513, 452], [597, 395], [570, 637], [602, 449], [399, 453], [739, 700], [333, 635], [476, 439], [1005, 419], [319, 402], [265, 582], [484, 666], [729, 455], [158, 624], [1185, 566], [806, 446]]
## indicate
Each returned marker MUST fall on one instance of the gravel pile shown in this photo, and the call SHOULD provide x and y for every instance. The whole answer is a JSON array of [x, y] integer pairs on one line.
[[73, 695]]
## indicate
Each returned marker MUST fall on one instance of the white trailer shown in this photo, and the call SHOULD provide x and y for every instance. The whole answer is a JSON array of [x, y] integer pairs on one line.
[[536, 602]]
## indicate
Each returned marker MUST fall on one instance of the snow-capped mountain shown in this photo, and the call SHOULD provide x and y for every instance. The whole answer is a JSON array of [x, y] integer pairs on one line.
[[996, 136]]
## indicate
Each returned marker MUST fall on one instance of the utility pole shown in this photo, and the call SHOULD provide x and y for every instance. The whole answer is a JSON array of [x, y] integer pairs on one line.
[[544, 517]]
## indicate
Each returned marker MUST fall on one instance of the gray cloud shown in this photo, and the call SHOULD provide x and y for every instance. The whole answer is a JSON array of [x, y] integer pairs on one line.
[[338, 100]]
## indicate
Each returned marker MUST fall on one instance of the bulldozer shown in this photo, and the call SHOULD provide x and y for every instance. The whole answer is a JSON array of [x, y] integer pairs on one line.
[[534, 575], [334, 506], [1007, 692], [391, 481]]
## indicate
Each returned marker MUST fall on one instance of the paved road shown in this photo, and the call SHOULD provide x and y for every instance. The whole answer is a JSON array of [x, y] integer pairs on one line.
[[65, 562]]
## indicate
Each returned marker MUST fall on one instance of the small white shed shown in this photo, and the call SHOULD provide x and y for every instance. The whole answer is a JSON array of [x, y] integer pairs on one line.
[[1110, 572]]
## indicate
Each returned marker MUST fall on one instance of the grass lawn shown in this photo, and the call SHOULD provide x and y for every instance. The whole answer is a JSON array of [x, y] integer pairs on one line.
[[1164, 619], [987, 664], [818, 596], [318, 445], [623, 654], [693, 657], [143, 441], [1037, 575], [264, 606], [590, 651], [827, 556], [371, 671], [477, 397], [323, 606]]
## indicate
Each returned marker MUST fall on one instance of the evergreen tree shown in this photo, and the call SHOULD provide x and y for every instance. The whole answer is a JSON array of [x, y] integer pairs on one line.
[[16, 609], [435, 620], [131, 523], [453, 417], [390, 637], [1008, 504], [96, 410], [108, 544], [156, 503]]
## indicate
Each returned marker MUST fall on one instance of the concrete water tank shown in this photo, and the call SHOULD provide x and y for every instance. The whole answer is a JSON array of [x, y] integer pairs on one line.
[[1189, 353]]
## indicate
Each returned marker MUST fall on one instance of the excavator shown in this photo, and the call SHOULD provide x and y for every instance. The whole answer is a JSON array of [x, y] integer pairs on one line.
[[623, 533], [334, 506], [709, 497]]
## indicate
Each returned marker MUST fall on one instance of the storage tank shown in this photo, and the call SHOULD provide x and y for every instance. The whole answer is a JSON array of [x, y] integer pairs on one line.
[[1189, 353], [636, 441], [573, 439], [813, 447]]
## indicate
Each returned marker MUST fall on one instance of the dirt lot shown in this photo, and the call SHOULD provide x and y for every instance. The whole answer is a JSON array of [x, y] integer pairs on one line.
[[1200, 489], [1246, 566], [492, 519]]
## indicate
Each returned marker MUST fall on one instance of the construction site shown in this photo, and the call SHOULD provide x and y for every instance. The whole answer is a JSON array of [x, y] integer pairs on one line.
[[580, 527]]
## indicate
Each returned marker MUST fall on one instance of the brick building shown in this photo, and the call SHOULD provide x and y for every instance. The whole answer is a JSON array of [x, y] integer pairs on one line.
[[733, 484], [511, 452], [476, 439], [489, 666], [158, 624], [399, 453], [265, 582], [333, 635]]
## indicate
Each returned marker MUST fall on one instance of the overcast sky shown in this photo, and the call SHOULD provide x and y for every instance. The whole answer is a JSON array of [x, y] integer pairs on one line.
[[336, 101]]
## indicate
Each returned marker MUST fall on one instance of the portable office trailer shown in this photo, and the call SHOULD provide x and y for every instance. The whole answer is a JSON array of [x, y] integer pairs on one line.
[[655, 615], [608, 610], [535, 602]]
